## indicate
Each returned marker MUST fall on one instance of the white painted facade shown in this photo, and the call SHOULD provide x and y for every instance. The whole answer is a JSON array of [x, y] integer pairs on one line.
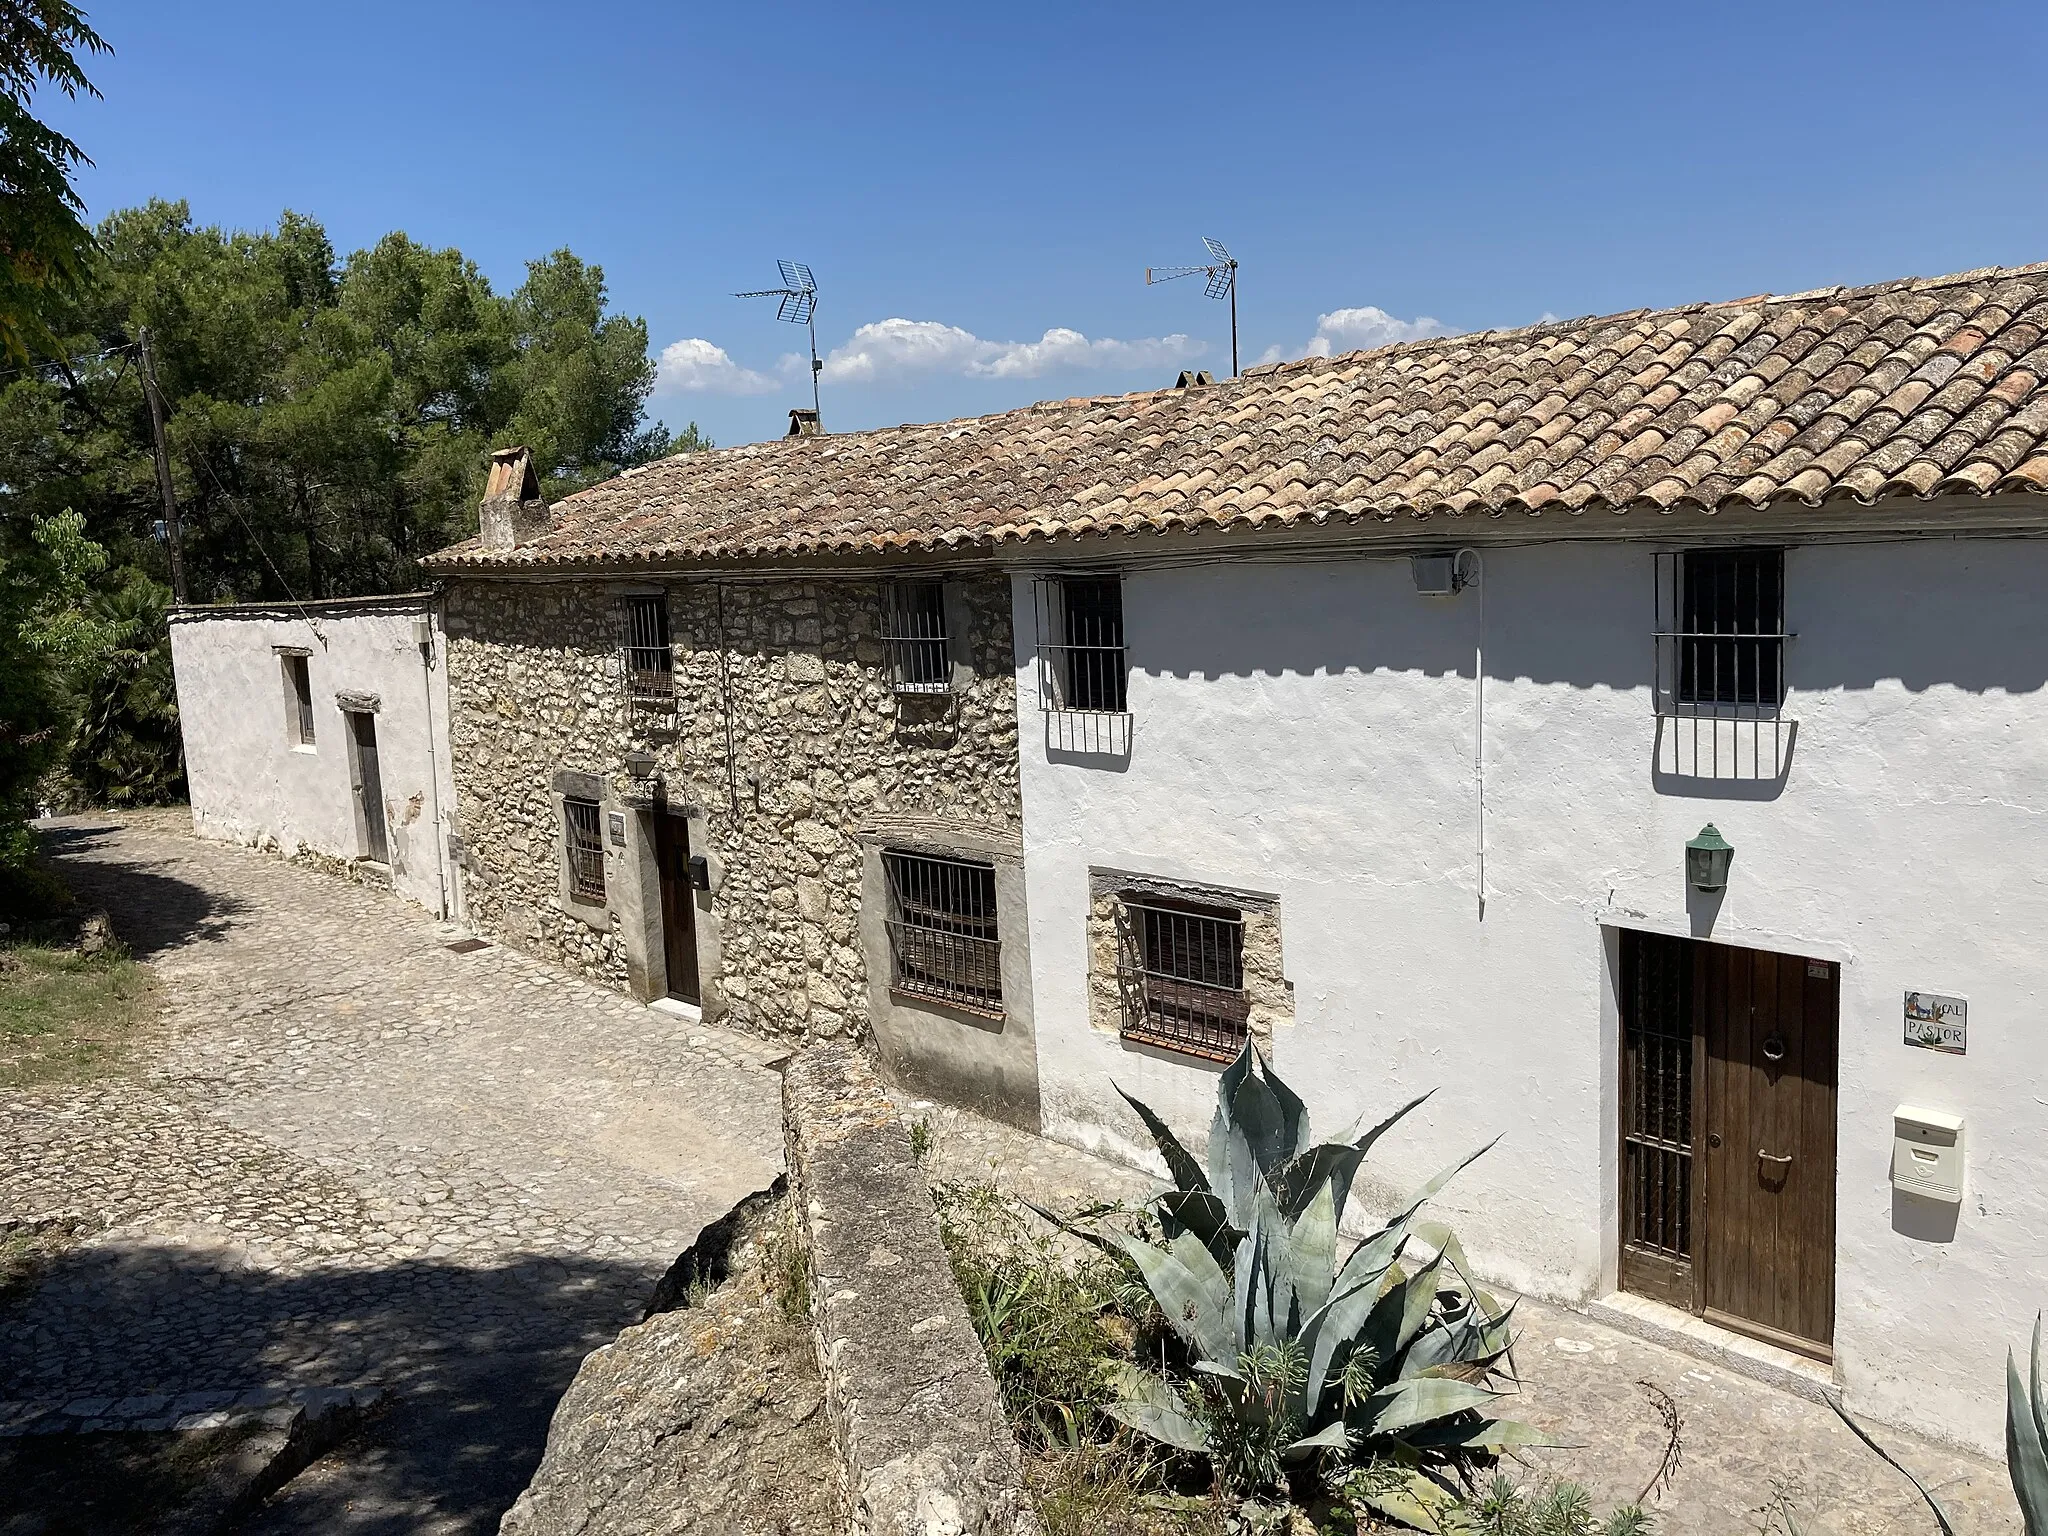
[[1307, 728], [253, 782]]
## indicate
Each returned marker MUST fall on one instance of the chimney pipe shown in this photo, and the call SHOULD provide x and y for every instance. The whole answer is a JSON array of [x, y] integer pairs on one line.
[[512, 512]]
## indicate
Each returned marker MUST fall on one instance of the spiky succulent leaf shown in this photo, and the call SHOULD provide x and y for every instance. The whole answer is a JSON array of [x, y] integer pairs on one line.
[[1180, 1164], [1415, 1501], [1331, 1437], [1294, 1131], [1196, 1302], [1219, 1126], [1420, 1297], [1418, 1400], [1308, 1256], [1150, 1406], [1462, 1433], [2026, 1438], [1201, 1212], [1332, 1333]]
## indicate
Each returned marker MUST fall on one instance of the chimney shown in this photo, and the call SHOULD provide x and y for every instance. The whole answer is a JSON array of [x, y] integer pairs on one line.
[[512, 512], [805, 424], [1189, 380]]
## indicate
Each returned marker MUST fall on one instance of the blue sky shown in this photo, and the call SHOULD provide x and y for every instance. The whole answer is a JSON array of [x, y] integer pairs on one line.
[[979, 188]]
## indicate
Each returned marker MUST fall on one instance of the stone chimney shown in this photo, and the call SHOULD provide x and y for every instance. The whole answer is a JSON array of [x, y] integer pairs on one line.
[[1189, 380], [512, 512], [804, 423]]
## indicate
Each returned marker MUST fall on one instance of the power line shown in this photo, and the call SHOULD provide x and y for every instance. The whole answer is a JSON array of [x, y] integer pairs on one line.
[[69, 362]]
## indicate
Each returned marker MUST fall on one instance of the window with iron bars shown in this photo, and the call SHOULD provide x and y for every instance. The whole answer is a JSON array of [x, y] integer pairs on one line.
[[1081, 644], [943, 942], [647, 655], [298, 681], [1720, 660], [914, 636], [1180, 977], [585, 843]]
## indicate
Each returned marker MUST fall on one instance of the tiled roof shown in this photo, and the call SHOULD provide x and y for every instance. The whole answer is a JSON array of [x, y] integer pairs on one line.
[[1924, 387]]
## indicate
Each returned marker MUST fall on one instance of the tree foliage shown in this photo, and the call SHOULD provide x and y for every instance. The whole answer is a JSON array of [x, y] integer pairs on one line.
[[44, 244]]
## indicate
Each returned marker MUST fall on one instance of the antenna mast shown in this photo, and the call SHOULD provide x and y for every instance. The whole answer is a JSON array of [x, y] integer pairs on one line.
[[797, 303], [1221, 272]]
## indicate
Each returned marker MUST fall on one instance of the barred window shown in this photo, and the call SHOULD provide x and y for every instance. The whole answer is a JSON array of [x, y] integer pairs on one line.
[[649, 656], [1720, 663], [942, 930], [585, 843], [1180, 976], [914, 635], [1081, 644], [298, 683]]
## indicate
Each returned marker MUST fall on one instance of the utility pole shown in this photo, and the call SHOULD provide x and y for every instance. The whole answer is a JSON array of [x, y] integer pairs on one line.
[[163, 468]]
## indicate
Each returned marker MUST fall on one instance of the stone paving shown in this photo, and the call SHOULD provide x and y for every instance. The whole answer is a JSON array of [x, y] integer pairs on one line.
[[1752, 1458], [350, 1158]]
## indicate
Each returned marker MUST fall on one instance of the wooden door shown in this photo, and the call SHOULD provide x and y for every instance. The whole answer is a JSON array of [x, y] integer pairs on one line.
[[678, 905], [1770, 1027], [369, 785], [1728, 1135]]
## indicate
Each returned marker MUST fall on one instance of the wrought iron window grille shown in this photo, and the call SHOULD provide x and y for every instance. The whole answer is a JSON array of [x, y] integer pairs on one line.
[[1180, 978], [943, 940], [1720, 638], [1657, 1134], [299, 682], [584, 840], [914, 636], [1082, 667], [647, 654]]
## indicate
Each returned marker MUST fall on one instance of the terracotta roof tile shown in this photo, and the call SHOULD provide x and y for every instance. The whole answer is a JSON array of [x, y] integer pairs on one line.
[[1915, 388]]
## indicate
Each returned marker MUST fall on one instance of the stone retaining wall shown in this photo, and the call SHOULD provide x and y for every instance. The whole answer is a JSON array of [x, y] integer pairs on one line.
[[915, 1412]]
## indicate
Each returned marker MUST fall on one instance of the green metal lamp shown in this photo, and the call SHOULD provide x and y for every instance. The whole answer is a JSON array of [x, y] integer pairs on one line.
[[1707, 858]]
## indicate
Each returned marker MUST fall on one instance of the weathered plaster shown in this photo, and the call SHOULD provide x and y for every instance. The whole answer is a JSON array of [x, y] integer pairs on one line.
[[1308, 729]]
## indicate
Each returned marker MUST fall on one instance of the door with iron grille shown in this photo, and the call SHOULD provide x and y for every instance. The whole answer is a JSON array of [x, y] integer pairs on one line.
[[1728, 1135]]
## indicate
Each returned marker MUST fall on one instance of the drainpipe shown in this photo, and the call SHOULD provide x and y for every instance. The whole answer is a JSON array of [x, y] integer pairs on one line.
[[1478, 578], [423, 636]]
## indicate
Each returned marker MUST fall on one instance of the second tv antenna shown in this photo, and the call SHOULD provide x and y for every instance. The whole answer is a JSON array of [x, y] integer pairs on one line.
[[798, 305], [1221, 272]]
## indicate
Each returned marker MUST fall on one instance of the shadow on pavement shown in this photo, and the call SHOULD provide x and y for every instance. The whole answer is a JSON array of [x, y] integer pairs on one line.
[[152, 911], [474, 1359]]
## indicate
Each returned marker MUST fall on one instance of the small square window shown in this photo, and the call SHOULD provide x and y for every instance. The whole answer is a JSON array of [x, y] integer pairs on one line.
[[1180, 974], [298, 689], [943, 942], [1731, 627], [1081, 644], [585, 844], [914, 635], [648, 654]]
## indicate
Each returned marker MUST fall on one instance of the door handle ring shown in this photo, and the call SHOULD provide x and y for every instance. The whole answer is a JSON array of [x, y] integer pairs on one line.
[[1771, 1157]]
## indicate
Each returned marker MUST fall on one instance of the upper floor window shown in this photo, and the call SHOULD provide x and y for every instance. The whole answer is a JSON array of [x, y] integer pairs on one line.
[[649, 656], [583, 839], [914, 635], [943, 942], [298, 690], [1180, 974], [1731, 627], [1081, 644]]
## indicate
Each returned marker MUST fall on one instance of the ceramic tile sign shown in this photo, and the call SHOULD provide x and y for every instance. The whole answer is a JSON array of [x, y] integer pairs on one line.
[[1937, 1023]]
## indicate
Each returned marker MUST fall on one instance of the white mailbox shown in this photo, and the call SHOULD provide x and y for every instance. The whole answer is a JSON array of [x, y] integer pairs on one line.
[[1927, 1153]]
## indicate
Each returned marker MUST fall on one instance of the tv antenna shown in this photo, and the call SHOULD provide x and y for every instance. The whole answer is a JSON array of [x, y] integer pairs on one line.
[[798, 305], [1221, 272]]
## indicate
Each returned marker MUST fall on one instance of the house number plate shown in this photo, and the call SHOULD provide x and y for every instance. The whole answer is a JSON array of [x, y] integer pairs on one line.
[[1937, 1023]]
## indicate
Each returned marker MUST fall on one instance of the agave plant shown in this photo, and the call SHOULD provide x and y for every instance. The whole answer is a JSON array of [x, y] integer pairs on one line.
[[1294, 1348], [2026, 1438]]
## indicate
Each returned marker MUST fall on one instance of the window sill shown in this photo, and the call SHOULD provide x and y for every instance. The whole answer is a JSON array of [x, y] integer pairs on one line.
[[952, 1004], [1161, 1041], [305, 748]]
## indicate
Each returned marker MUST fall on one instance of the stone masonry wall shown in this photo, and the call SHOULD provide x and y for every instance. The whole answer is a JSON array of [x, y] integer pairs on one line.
[[1270, 1000], [786, 735]]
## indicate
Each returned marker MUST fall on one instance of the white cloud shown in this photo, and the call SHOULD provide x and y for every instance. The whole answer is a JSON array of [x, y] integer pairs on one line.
[[695, 366], [1354, 330], [898, 348]]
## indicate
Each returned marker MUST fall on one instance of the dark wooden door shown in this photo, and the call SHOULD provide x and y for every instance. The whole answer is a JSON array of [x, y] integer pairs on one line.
[[1728, 1135], [1770, 1145], [678, 905], [369, 785]]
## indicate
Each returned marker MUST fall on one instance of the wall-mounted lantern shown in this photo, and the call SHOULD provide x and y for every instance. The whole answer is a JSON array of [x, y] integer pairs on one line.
[[640, 765], [1707, 858]]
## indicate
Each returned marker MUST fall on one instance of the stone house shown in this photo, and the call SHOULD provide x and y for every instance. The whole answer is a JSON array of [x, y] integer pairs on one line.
[[1630, 728]]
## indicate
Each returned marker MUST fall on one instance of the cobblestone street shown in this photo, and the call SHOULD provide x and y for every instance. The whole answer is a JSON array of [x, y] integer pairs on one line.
[[352, 1158]]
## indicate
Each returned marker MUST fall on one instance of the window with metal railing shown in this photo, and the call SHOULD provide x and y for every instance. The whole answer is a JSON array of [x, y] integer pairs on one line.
[[583, 839], [298, 682], [647, 655], [1720, 661], [943, 942], [1180, 977], [914, 636], [1081, 644]]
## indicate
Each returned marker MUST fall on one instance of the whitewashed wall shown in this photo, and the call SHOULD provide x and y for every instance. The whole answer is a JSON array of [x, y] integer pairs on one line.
[[1307, 729], [251, 784]]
